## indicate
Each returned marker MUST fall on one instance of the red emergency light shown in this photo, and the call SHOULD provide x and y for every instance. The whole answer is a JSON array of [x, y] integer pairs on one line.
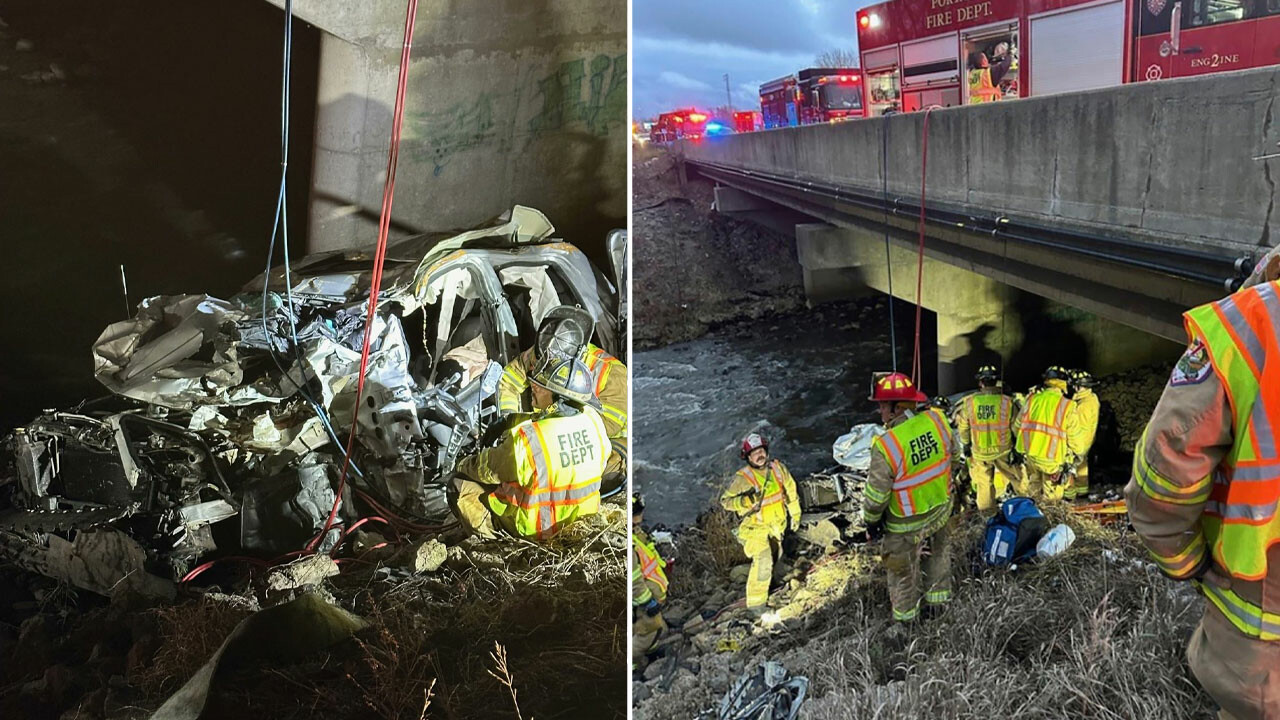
[[696, 117], [864, 21], [677, 118]]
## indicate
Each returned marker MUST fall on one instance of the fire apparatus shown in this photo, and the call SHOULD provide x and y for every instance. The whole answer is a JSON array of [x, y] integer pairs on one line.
[[745, 121], [921, 53], [671, 126], [813, 95]]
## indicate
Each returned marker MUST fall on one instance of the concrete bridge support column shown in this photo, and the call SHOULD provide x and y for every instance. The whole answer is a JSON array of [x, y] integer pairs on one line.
[[976, 326], [831, 261]]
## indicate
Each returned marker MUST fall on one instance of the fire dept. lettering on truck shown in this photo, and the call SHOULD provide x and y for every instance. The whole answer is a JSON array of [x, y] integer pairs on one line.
[[923, 448], [575, 448], [967, 11]]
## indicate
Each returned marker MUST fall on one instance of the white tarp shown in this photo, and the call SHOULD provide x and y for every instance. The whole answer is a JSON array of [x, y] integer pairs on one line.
[[853, 449]]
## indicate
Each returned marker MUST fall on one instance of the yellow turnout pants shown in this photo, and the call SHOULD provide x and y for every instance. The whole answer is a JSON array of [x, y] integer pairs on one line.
[[1240, 673], [990, 479], [762, 546], [1038, 484], [1079, 488]]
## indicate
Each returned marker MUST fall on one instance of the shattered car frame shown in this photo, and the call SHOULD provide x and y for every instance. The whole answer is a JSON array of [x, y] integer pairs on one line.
[[236, 412]]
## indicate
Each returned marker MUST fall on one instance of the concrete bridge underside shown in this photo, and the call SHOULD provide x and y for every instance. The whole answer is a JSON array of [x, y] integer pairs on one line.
[[1131, 204]]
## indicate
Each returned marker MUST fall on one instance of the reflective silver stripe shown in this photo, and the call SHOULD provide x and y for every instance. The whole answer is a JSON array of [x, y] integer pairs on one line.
[[539, 461], [940, 469], [571, 493], [1239, 511], [1231, 312], [1260, 419], [1255, 473], [892, 451], [1153, 486], [1232, 603]]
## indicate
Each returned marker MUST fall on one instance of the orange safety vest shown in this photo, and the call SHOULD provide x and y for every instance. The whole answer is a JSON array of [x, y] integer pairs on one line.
[[774, 494], [988, 416], [1240, 522], [651, 565], [1043, 436], [980, 87], [919, 455], [559, 461]]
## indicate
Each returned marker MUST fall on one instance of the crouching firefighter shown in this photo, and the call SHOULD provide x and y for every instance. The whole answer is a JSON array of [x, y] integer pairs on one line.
[[565, 333], [763, 496], [983, 429], [546, 471], [908, 496], [648, 588], [1206, 488]]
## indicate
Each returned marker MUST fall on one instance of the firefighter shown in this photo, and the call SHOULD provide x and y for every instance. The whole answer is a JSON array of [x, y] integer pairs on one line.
[[546, 471], [982, 426], [908, 496], [564, 333], [763, 496], [985, 77], [648, 587], [1048, 438], [1087, 409], [1206, 486]]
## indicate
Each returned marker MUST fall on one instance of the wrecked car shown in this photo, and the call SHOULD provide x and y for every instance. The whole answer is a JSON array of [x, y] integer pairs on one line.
[[232, 416]]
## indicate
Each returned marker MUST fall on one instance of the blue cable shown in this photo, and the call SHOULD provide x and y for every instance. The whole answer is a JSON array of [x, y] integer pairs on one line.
[[281, 225]]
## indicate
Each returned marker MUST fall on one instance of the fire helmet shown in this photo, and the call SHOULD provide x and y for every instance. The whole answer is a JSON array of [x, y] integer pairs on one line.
[[1056, 372], [895, 387], [570, 379], [563, 334], [752, 442], [637, 503], [1082, 379], [987, 372]]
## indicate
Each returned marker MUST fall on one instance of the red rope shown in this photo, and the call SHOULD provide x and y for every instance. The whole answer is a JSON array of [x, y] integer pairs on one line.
[[924, 166], [384, 228]]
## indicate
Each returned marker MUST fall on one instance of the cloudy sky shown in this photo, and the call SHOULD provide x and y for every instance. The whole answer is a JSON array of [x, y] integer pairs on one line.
[[683, 48]]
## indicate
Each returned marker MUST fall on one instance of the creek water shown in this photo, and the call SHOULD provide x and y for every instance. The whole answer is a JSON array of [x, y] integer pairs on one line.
[[803, 378]]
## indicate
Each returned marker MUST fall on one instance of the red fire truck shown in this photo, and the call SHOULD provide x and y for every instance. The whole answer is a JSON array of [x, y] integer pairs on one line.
[[923, 53], [745, 121], [813, 95], [671, 126]]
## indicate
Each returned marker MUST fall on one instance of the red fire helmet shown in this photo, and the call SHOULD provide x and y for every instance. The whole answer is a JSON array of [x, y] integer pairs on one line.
[[752, 442], [895, 387]]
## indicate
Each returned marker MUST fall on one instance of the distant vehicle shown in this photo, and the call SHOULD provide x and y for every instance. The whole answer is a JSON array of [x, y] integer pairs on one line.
[[918, 54], [687, 123], [747, 121], [812, 95]]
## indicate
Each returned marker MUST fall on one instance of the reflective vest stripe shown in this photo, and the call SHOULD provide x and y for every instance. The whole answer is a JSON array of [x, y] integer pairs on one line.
[[892, 450], [1155, 485], [650, 563], [919, 489], [1247, 617], [1240, 521], [772, 498], [1043, 435], [1181, 564]]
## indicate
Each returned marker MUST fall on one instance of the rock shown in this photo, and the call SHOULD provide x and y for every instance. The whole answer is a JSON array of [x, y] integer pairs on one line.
[[676, 613], [738, 575], [24, 46], [657, 668], [35, 642], [640, 692], [429, 556], [306, 572], [694, 666]]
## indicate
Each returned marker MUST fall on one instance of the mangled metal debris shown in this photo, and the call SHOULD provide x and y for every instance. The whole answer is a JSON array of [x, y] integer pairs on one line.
[[230, 414]]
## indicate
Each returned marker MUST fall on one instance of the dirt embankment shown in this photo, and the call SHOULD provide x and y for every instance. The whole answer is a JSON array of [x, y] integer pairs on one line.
[[694, 268], [1095, 632]]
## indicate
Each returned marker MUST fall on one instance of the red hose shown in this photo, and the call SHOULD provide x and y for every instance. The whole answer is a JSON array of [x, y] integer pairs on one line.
[[375, 285], [924, 167]]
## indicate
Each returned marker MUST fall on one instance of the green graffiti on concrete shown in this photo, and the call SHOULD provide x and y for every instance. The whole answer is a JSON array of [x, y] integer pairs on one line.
[[576, 95], [460, 126], [587, 94]]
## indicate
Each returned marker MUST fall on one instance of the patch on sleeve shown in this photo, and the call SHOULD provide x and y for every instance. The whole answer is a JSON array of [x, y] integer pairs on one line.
[[1193, 367]]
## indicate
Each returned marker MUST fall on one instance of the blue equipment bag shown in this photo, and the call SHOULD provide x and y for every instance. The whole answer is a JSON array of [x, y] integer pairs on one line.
[[1013, 533]]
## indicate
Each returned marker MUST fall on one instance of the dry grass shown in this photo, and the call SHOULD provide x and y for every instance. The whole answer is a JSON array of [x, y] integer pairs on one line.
[[186, 636]]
